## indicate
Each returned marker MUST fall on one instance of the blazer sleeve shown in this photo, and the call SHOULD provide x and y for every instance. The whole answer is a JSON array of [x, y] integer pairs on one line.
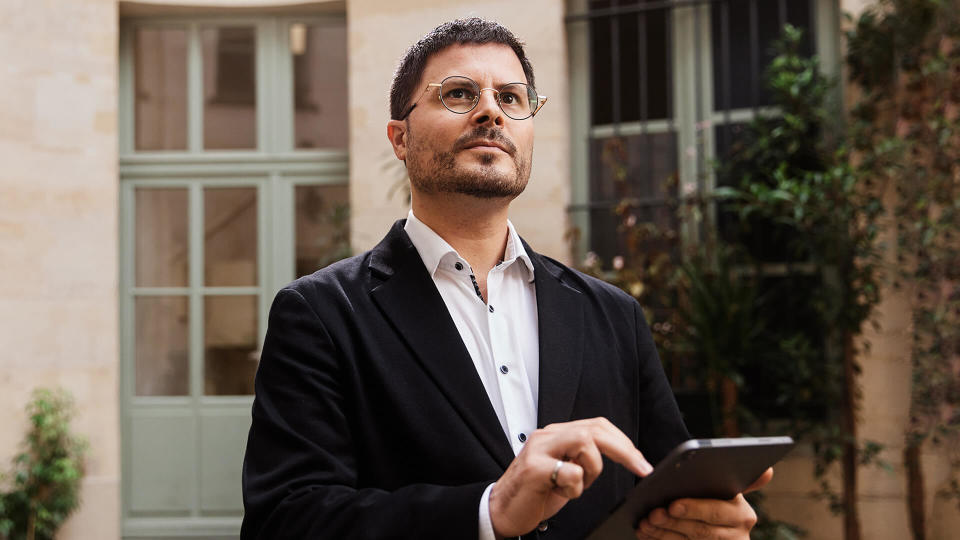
[[300, 474], [661, 425]]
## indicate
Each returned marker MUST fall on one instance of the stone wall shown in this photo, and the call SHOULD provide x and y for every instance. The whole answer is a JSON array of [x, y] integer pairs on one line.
[[58, 232], [885, 409]]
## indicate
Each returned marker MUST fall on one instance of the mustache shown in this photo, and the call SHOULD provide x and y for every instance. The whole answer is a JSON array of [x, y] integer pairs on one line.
[[483, 133]]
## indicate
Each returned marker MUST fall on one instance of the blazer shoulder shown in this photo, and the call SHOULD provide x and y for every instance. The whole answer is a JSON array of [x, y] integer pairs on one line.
[[341, 279], [589, 285], [346, 284]]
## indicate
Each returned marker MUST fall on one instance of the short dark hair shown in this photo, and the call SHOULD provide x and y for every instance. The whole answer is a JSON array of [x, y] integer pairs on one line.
[[458, 32]]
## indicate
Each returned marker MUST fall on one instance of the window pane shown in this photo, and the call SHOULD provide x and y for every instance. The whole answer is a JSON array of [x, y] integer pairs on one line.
[[737, 35], [162, 362], [230, 236], [160, 88], [161, 238], [641, 63], [637, 168], [322, 226], [230, 345], [229, 88], [319, 85]]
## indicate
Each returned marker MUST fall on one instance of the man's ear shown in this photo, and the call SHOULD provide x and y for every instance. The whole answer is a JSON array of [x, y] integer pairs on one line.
[[397, 133]]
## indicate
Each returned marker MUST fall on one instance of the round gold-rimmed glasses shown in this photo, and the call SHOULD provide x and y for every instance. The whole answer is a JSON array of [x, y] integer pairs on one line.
[[460, 95]]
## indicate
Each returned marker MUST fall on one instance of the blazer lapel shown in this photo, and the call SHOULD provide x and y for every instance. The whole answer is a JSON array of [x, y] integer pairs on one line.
[[560, 311], [410, 300]]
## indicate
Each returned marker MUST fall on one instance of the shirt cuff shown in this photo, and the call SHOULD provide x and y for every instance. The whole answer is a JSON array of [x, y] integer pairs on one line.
[[486, 525]]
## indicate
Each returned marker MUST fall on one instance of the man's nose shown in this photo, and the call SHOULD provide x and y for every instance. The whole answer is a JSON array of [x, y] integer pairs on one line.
[[487, 110]]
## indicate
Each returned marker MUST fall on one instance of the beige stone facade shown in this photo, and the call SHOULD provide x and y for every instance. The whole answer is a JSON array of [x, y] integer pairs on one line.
[[58, 231], [59, 208]]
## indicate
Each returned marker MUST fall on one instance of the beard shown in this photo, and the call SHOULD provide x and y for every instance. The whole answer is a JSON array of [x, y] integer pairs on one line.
[[440, 173]]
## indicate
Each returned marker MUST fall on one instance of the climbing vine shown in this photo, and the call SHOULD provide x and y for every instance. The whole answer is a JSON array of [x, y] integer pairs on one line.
[[904, 57]]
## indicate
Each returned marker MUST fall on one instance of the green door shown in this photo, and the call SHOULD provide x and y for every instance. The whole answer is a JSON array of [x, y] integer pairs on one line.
[[233, 176]]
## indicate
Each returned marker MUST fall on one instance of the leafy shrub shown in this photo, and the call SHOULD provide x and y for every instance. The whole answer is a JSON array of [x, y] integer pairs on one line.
[[44, 486]]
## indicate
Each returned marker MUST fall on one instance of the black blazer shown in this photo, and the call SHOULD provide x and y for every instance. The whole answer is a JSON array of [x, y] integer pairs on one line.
[[370, 420]]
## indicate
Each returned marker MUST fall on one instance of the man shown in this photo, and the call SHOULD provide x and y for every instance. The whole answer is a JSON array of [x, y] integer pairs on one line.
[[452, 383]]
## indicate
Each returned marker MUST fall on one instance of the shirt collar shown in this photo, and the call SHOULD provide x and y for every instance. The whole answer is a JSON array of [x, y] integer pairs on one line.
[[433, 249]]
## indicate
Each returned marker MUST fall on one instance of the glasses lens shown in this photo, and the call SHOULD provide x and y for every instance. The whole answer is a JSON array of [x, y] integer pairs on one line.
[[459, 94], [518, 100]]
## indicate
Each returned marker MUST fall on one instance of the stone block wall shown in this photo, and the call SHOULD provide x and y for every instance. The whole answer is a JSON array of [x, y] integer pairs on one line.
[[58, 232]]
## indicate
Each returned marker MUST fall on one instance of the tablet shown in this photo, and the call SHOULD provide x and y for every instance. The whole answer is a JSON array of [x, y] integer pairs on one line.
[[698, 468]]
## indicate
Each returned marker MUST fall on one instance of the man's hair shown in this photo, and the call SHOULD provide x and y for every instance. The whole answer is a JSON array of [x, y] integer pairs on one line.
[[459, 32]]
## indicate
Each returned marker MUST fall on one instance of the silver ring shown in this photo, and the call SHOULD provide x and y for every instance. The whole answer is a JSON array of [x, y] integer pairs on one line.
[[556, 470]]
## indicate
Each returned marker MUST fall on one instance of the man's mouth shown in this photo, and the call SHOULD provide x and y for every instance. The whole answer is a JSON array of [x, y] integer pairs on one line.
[[488, 146], [487, 143]]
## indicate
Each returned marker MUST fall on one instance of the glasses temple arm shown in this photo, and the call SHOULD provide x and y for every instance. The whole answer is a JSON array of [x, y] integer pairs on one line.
[[542, 100]]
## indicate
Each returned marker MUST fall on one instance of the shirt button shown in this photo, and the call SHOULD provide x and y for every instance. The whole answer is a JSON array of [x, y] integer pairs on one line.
[[522, 437], [542, 527], [504, 370], [490, 308], [458, 265]]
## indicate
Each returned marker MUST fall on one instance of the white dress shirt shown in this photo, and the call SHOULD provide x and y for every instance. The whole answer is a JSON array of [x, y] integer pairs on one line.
[[500, 332]]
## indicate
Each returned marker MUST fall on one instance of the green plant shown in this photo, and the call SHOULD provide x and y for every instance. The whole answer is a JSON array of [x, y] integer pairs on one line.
[[719, 324], [45, 482], [792, 174], [904, 57]]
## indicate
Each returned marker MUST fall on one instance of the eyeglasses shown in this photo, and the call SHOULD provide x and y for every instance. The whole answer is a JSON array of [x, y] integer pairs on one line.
[[461, 94]]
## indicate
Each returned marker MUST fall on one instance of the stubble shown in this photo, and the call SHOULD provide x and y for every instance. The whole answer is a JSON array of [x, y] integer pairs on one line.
[[440, 173]]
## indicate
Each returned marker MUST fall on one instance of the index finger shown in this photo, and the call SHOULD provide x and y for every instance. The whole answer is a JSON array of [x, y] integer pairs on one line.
[[614, 444]]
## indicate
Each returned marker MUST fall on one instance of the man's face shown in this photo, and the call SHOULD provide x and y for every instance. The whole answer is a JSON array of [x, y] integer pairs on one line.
[[483, 153]]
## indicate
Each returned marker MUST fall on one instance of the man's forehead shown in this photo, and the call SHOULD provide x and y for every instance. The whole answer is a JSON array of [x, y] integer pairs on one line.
[[475, 60]]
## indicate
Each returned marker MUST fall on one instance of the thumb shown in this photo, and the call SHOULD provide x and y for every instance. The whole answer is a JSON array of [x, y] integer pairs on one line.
[[760, 482]]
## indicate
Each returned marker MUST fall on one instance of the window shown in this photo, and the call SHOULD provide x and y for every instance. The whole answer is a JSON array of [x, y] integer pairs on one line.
[[233, 171], [660, 89]]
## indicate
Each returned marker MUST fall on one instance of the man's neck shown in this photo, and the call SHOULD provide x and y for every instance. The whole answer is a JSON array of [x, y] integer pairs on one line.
[[476, 228]]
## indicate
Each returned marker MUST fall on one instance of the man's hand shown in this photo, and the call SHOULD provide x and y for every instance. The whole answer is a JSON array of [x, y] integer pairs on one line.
[[703, 519], [526, 495]]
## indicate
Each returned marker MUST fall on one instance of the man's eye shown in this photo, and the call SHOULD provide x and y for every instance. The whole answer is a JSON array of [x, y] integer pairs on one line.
[[508, 98], [460, 93]]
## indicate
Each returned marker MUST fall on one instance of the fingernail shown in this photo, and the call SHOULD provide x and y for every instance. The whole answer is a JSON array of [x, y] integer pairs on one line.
[[645, 467], [679, 509]]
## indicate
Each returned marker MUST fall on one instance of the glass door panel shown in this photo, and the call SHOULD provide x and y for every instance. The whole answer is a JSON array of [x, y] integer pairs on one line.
[[161, 237], [321, 227], [230, 347], [162, 363], [230, 236]]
